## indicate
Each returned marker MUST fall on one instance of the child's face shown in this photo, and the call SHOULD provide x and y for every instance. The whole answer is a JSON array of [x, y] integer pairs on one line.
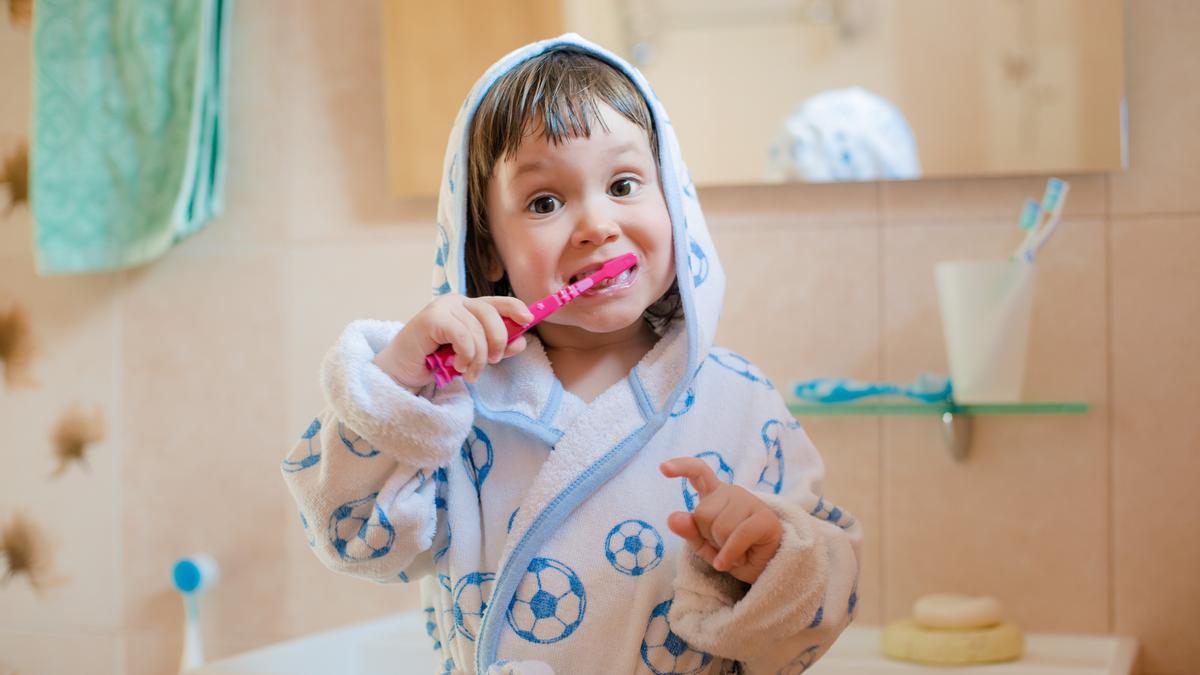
[[557, 211]]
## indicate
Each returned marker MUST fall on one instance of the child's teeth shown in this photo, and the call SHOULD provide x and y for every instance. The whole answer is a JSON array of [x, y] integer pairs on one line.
[[612, 280], [622, 277]]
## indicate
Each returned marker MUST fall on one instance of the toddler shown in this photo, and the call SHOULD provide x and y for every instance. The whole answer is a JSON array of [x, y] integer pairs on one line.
[[610, 493]]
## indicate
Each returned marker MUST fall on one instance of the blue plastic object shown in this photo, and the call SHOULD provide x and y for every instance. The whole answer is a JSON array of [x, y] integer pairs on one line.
[[927, 387], [187, 575]]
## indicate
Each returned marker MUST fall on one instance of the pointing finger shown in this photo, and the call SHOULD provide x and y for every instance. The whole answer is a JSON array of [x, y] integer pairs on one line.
[[696, 470]]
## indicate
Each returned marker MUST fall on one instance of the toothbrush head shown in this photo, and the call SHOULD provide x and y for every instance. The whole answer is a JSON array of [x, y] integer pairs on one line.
[[195, 573], [610, 269], [1053, 195], [1029, 214]]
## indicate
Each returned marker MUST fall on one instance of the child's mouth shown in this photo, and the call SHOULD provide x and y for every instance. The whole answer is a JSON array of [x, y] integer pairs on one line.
[[614, 285]]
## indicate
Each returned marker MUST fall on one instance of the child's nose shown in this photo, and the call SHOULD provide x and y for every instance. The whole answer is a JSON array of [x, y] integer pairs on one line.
[[595, 226]]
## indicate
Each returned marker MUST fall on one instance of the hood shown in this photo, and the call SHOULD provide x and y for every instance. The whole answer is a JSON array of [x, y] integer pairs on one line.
[[700, 278]]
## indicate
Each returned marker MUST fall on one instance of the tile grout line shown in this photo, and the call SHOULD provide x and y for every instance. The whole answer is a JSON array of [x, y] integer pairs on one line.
[[880, 422], [119, 460], [1110, 454]]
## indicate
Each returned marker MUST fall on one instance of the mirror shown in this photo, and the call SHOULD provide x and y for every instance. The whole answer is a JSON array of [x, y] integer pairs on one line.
[[766, 91]]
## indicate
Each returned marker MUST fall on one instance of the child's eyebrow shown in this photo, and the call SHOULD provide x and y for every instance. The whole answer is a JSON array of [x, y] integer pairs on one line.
[[535, 165], [529, 167], [623, 148]]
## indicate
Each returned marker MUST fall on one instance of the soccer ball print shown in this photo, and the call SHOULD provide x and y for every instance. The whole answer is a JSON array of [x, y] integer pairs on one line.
[[356, 535], [664, 652], [471, 594], [634, 547], [549, 603]]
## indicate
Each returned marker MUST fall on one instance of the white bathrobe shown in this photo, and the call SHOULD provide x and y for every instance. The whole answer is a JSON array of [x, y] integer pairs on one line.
[[535, 523]]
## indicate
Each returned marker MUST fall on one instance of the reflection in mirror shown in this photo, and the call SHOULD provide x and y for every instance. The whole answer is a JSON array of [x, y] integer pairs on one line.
[[820, 90]]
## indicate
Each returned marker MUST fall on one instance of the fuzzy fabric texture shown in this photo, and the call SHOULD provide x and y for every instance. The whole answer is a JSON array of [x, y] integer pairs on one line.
[[415, 429], [745, 622]]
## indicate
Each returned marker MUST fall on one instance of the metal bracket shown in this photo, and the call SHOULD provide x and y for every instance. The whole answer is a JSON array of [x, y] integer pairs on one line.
[[956, 432]]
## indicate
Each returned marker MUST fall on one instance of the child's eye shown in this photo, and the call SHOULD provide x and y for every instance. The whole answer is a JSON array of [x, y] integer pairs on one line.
[[544, 204], [623, 187]]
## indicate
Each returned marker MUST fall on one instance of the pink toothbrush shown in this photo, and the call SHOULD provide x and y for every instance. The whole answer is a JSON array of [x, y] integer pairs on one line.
[[441, 362]]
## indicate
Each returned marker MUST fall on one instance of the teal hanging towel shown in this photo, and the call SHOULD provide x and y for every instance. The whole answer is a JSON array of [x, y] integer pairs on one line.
[[128, 138]]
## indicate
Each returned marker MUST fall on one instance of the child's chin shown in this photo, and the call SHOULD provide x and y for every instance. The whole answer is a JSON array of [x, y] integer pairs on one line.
[[613, 321]]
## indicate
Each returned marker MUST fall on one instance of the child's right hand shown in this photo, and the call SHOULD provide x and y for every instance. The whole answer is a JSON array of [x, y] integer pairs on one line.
[[474, 326]]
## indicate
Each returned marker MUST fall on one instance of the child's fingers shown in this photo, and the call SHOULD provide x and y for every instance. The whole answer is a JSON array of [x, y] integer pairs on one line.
[[697, 471], [753, 530], [508, 309], [706, 552], [453, 331], [682, 524], [515, 347], [495, 333], [724, 518], [470, 361], [511, 308], [708, 510]]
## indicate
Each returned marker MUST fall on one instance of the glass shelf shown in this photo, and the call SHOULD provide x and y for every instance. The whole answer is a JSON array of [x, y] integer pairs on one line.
[[956, 418], [917, 408]]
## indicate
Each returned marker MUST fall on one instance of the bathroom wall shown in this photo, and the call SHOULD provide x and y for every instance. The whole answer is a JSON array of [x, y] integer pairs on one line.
[[204, 365]]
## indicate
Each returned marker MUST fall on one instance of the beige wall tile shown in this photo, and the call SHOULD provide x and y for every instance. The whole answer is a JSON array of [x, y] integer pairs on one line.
[[1068, 341], [1024, 518], [33, 653], [15, 96], [1156, 438], [789, 205], [1163, 85], [75, 325], [339, 134], [154, 650], [330, 285], [802, 302], [16, 231], [204, 371], [16, 45], [261, 138], [958, 200]]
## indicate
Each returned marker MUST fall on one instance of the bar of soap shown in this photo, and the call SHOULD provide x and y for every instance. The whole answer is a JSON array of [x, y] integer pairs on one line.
[[909, 641], [957, 612]]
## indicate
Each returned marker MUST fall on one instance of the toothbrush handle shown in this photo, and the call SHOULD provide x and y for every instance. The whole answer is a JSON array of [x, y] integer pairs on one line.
[[193, 643], [441, 362]]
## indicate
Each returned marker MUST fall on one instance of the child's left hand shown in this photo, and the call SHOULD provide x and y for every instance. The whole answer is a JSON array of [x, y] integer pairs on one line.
[[730, 528]]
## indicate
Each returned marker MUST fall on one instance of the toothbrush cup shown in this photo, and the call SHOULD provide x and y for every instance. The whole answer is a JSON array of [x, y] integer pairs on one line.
[[986, 307]]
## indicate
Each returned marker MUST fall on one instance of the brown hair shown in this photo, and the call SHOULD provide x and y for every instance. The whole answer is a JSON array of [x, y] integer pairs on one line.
[[557, 93]]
